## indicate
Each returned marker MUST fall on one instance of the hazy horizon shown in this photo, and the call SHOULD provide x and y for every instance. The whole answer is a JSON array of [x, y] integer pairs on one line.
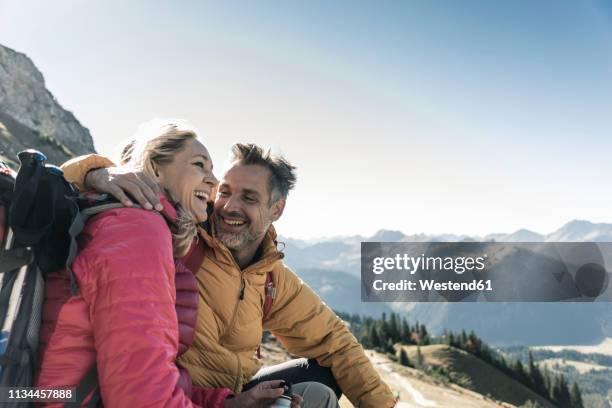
[[543, 233]]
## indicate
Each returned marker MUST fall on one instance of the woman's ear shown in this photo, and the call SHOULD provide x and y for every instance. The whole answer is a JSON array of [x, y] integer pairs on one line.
[[156, 172]]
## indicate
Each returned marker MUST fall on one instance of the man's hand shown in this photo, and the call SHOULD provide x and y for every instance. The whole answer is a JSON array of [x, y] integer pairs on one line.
[[121, 182], [261, 396]]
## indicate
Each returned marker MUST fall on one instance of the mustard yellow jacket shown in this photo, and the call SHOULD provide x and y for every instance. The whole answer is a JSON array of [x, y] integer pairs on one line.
[[229, 326]]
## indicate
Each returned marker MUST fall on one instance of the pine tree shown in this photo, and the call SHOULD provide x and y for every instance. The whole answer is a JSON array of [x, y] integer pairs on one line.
[[520, 373], [485, 353], [403, 358], [451, 339], [389, 348], [548, 383], [384, 331], [576, 397], [537, 380], [463, 340], [393, 328], [423, 335], [473, 344], [374, 338], [560, 393], [405, 332], [565, 400], [423, 331]]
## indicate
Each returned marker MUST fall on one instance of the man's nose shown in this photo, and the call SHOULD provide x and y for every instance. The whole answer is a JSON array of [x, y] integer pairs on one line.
[[231, 204]]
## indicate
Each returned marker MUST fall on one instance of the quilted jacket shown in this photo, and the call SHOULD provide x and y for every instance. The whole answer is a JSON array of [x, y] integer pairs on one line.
[[134, 313], [223, 352]]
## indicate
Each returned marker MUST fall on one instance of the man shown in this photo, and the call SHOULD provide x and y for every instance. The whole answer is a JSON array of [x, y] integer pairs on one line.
[[240, 250]]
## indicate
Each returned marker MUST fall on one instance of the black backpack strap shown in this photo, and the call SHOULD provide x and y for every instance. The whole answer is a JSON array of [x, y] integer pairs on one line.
[[8, 281], [15, 258], [20, 358], [88, 384]]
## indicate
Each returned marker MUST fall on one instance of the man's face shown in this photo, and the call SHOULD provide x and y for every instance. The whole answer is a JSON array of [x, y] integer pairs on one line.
[[242, 211]]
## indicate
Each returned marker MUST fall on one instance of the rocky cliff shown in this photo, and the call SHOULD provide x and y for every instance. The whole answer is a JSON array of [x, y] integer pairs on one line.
[[31, 117]]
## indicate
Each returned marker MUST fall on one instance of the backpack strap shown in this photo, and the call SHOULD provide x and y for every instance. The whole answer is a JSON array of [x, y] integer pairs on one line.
[[8, 281], [88, 384], [270, 294], [267, 306], [20, 354], [78, 223], [15, 258]]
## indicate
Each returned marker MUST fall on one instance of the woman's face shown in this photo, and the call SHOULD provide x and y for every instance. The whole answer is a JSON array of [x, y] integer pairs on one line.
[[189, 178]]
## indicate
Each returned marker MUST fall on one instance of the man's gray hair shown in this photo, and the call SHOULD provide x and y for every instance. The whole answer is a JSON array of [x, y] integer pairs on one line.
[[282, 173]]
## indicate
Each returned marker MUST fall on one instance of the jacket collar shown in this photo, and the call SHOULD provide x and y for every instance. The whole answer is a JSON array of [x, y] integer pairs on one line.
[[169, 212], [268, 249]]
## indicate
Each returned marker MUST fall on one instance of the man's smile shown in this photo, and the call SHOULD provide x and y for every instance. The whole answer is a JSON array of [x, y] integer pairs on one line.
[[232, 222]]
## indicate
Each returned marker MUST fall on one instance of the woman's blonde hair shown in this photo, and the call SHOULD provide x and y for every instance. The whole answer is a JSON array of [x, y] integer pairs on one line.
[[156, 143]]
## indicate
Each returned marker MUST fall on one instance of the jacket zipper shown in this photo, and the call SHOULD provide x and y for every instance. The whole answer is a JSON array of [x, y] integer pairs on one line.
[[242, 285], [235, 313], [242, 290]]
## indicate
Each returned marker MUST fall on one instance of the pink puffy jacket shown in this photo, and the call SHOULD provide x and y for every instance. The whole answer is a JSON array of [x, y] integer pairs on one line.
[[125, 315]]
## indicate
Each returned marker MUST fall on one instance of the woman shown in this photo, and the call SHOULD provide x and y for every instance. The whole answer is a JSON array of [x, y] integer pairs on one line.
[[137, 303]]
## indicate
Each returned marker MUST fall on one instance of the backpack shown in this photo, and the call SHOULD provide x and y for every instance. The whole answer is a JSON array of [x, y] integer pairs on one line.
[[19, 314], [41, 215]]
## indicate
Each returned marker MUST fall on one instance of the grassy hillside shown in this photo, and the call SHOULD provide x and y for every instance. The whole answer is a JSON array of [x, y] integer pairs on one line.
[[414, 388], [475, 374]]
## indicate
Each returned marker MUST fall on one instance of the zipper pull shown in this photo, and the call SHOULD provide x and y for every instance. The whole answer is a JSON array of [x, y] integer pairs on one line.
[[242, 289]]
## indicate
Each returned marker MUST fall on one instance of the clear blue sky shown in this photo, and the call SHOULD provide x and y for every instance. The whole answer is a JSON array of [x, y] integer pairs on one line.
[[448, 116]]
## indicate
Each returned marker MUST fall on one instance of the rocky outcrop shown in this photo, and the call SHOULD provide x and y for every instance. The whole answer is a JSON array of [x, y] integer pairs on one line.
[[30, 116]]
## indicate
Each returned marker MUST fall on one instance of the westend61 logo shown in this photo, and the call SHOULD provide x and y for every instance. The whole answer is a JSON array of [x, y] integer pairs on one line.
[[485, 271], [412, 264]]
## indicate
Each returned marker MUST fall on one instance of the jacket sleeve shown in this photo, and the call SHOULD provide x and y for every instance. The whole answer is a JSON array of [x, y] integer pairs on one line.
[[126, 277], [77, 168], [308, 328]]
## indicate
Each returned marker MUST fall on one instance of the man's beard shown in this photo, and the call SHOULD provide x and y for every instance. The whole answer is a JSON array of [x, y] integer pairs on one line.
[[231, 240]]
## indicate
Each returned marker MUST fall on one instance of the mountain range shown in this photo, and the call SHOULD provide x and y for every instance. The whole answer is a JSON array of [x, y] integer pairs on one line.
[[332, 267]]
